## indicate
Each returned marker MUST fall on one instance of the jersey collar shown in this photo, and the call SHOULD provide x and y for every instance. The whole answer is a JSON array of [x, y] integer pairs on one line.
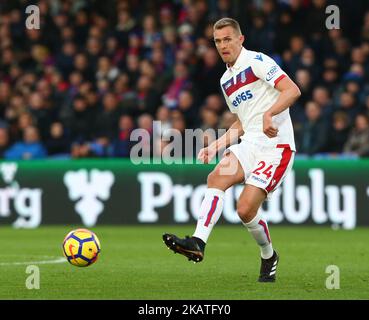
[[239, 61]]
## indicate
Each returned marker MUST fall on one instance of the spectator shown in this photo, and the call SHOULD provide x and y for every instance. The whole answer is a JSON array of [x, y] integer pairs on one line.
[[4, 140], [284, 31], [30, 148], [330, 79], [5, 96], [41, 111], [161, 125], [342, 47], [261, 35], [145, 123], [315, 20], [215, 102], [81, 26], [79, 121], [106, 121], [24, 120], [365, 108], [81, 65], [347, 104], [304, 81], [122, 144], [358, 141], [321, 96], [312, 137], [15, 107], [170, 44], [172, 143], [179, 124], [223, 9], [121, 86], [93, 50], [365, 28], [132, 68], [114, 51], [297, 44], [181, 81], [354, 87], [57, 144], [106, 70], [209, 119], [65, 60], [338, 133], [308, 61], [147, 98], [149, 33], [166, 16], [210, 71], [186, 105], [125, 24]]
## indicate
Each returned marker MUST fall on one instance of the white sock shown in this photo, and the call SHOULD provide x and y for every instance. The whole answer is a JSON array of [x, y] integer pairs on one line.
[[258, 228], [210, 211]]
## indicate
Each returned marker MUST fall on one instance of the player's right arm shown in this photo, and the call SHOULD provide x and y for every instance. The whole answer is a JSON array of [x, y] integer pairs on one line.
[[230, 137]]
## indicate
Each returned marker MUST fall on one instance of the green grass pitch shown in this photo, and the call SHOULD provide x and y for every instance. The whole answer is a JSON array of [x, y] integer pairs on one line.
[[134, 264]]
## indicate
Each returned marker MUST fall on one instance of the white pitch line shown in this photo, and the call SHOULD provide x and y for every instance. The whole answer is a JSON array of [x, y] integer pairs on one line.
[[57, 260]]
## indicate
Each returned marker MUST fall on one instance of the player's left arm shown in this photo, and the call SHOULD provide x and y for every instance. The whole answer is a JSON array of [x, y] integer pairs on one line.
[[289, 93]]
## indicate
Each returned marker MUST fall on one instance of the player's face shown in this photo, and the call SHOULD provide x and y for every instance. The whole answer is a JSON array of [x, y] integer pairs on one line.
[[228, 43]]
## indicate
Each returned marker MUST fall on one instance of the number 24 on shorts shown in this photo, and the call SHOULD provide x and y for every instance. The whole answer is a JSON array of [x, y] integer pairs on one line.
[[267, 172]]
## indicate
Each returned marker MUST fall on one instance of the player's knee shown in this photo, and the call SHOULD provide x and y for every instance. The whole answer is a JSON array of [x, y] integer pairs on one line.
[[246, 211], [220, 177], [216, 180]]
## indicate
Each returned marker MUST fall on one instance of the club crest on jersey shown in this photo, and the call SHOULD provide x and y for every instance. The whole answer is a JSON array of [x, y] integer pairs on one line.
[[244, 78]]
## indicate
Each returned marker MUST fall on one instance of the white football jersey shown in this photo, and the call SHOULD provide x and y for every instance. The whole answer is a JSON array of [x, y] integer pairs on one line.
[[249, 90]]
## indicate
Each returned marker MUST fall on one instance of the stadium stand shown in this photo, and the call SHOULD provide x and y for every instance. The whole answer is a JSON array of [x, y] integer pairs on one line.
[[96, 70]]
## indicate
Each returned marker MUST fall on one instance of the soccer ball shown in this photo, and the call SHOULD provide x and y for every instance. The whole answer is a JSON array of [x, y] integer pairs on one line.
[[81, 247]]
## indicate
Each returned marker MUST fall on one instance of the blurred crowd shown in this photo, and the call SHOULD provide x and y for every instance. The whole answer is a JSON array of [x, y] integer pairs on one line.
[[96, 70]]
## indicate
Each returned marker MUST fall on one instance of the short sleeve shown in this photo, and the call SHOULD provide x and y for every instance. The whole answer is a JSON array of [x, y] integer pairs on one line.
[[266, 69]]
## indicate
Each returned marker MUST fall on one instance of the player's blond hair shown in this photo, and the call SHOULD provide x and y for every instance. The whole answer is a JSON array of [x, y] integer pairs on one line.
[[227, 22]]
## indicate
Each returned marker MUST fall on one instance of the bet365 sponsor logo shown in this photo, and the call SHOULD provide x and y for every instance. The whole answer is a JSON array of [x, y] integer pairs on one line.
[[246, 95], [296, 204], [24, 202]]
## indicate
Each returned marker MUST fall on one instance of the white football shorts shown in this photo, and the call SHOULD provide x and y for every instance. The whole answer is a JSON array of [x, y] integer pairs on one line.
[[264, 167]]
